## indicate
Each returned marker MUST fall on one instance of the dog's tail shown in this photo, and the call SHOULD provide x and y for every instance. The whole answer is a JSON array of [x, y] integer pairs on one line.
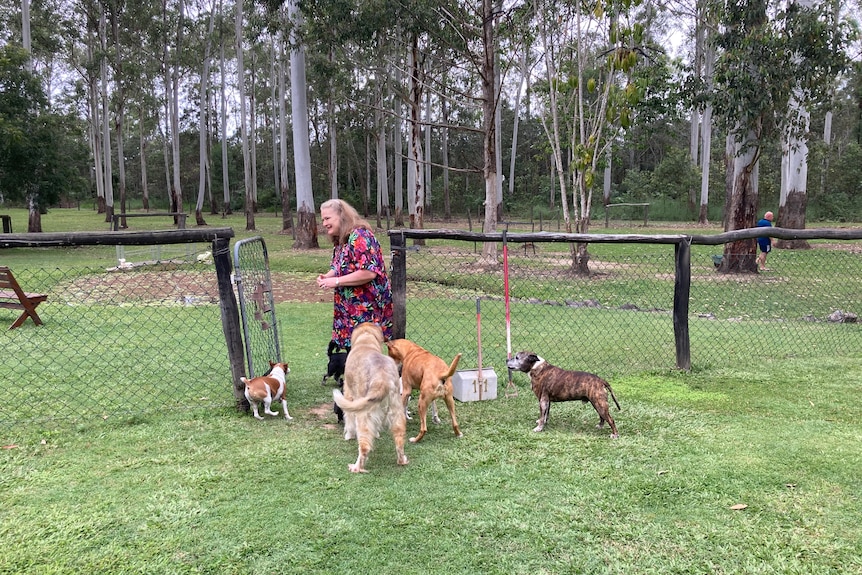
[[358, 404], [614, 397], [452, 367], [244, 380]]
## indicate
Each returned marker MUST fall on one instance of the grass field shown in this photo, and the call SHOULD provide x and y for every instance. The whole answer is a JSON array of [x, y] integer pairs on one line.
[[733, 468]]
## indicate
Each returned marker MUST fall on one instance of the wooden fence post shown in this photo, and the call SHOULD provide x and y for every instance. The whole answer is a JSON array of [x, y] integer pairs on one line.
[[681, 294], [398, 279], [230, 318]]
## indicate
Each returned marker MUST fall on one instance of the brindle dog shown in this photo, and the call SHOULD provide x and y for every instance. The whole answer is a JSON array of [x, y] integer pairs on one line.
[[551, 383]]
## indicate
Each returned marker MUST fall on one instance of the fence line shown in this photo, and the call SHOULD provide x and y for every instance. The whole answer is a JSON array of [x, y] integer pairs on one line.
[[639, 305], [674, 290]]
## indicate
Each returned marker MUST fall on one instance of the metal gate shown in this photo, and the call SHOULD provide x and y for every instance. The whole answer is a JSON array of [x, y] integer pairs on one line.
[[256, 305]]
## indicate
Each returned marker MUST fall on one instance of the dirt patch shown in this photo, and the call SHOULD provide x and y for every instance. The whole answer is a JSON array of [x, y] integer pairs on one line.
[[179, 288], [298, 288], [324, 412]]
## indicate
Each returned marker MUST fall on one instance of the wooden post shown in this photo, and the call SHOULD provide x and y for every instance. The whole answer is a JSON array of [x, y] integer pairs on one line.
[[681, 294], [398, 279], [230, 319]]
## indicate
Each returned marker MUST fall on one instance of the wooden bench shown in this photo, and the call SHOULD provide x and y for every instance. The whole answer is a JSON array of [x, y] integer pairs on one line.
[[13, 297]]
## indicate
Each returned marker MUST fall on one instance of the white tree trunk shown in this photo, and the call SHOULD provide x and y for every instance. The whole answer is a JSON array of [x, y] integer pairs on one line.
[[305, 208], [243, 120], [106, 128], [203, 121], [333, 149], [793, 200], [415, 161], [525, 71], [175, 109], [225, 175], [284, 181]]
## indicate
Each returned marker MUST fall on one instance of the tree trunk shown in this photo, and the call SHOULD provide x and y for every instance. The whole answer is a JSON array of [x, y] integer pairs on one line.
[[203, 125], [106, 130], [489, 105], [284, 182], [34, 218], [225, 179], [243, 122], [416, 184], [794, 176], [144, 146], [380, 139], [741, 256], [306, 233], [175, 111]]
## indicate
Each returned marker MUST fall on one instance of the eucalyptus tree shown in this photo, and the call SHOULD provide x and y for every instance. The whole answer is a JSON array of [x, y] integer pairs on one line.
[[125, 72], [204, 177], [105, 104], [590, 93], [306, 229], [823, 34], [239, 40], [759, 66], [174, 21]]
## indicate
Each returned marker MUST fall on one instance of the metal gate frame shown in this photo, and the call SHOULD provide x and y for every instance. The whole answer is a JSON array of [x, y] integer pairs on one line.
[[256, 305]]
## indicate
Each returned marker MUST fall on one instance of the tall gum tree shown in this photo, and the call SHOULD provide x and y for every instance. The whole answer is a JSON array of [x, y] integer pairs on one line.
[[759, 69], [590, 95]]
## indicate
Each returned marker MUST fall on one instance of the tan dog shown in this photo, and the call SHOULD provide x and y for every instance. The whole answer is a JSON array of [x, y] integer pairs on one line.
[[422, 370], [268, 388], [372, 395]]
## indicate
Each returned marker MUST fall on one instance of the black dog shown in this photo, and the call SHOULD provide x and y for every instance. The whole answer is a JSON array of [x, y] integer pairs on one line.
[[335, 370]]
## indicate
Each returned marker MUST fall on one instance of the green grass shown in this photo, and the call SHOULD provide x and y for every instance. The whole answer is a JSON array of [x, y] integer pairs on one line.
[[209, 490], [213, 491]]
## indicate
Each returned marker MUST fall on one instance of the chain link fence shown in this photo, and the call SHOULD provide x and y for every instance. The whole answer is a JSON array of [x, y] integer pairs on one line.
[[256, 304], [123, 340], [619, 318], [132, 338]]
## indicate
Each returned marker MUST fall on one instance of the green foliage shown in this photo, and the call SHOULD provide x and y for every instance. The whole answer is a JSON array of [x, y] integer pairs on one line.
[[763, 62], [41, 153], [671, 179]]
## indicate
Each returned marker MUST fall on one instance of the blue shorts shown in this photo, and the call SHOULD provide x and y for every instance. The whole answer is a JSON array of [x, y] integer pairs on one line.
[[765, 245]]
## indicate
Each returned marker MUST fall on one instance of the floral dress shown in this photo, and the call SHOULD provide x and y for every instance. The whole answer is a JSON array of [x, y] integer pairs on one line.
[[370, 302]]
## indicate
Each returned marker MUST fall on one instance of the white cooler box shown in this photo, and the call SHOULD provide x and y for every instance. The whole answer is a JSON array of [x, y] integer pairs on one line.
[[467, 388]]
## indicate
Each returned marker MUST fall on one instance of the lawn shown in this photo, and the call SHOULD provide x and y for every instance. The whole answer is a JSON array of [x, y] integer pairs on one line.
[[734, 468]]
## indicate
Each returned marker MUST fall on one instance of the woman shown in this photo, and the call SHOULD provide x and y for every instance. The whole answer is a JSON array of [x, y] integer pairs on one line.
[[357, 273]]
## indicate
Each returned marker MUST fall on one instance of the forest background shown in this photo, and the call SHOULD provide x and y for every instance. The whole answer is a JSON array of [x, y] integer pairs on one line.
[[705, 110]]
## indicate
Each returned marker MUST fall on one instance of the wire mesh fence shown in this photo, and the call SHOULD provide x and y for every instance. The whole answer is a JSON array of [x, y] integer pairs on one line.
[[123, 340], [256, 304], [618, 318], [130, 338]]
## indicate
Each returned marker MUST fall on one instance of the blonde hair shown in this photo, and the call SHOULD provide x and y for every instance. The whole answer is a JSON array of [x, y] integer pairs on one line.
[[350, 219]]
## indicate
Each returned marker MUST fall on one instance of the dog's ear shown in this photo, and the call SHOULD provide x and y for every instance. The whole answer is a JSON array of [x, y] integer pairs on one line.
[[533, 357]]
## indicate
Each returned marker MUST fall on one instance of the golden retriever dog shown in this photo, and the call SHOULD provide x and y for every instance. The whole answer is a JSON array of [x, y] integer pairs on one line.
[[372, 395], [422, 370]]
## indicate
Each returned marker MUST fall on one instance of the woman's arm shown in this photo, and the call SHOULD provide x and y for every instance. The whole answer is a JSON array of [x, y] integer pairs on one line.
[[357, 278]]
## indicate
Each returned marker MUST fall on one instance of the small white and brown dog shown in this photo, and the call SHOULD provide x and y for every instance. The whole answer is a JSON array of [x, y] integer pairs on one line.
[[268, 388]]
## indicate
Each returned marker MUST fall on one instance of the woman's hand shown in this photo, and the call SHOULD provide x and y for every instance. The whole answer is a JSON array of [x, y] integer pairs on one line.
[[325, 281]]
